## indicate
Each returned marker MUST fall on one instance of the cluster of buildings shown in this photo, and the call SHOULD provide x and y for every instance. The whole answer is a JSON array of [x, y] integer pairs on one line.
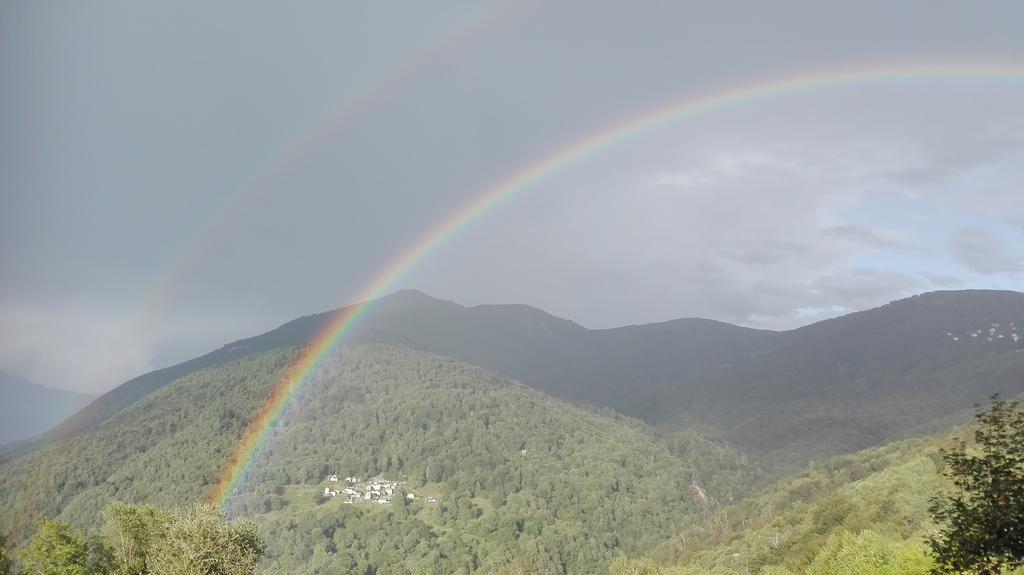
[[994, 332], [375, 490]]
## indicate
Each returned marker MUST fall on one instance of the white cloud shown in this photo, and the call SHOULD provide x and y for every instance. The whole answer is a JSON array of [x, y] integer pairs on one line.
[[93, 347], [984, 252], [864, 235], [70, 346], [755, 235]]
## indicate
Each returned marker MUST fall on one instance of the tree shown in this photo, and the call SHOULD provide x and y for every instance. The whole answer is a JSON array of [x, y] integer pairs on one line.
[[131, 532], [147, 541], [982, 522], [627, 566], [56, 550], [197, 541], [6, 561], [868, 553]]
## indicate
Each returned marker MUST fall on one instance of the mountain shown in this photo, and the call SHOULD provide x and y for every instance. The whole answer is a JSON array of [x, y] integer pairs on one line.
[[517, 475], [28, 409], [785, 398], [911, 367], [865, 512], [684, 416]]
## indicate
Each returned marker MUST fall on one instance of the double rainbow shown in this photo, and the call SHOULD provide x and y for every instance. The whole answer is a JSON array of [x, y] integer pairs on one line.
[[340, 325]]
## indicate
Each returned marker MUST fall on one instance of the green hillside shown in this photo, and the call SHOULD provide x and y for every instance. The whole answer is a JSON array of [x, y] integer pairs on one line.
[[868, 513], [912, 367], [165, 449], [874, 501], [516, 474], [519, 479]]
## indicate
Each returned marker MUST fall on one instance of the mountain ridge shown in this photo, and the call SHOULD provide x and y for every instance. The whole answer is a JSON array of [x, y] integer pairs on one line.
[[512, 470], [28, 409], [682, 372]]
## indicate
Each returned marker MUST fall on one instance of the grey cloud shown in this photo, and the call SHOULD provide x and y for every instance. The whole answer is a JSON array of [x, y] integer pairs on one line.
[[251, 169], [944, 281], [93, 346], [1017, 222], [766, 252], [863, 235], [984, 252], [858, 288], [954, 157], [736, 237]]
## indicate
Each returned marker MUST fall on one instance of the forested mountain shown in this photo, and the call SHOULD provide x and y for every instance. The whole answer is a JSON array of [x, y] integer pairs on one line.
[[910, 367], [516, 475], [865, 512], [522, 481], [914, 366], [28, 409]]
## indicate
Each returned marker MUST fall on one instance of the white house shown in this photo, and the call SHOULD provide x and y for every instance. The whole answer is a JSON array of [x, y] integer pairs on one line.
[[332, 478]]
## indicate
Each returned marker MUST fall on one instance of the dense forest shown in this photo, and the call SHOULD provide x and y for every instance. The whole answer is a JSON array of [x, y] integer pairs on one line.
[[517, 475], [951, 503], [909, 368], [944, 504], [140, 540], [494, 476]]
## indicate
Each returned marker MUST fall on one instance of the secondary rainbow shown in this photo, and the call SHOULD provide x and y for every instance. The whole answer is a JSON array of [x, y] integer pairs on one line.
[[360, 102], [340, 325]]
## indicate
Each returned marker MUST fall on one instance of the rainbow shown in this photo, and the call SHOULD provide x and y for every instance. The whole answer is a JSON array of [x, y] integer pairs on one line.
[[677, 111], [360, 102]]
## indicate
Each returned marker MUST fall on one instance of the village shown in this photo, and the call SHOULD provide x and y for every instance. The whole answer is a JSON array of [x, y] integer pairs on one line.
[[993, 333], [375, 490]]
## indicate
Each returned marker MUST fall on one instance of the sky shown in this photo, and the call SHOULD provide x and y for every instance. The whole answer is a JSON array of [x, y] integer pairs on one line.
[[178, 175]]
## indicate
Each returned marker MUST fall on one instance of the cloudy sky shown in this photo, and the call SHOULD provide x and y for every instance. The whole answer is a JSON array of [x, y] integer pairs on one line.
[[178, 175]]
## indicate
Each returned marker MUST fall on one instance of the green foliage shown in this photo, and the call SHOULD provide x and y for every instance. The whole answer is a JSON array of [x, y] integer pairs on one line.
[[147, 541], [56, 550], [517, 475], [982, 521], [132, 532], [196, 541], [861, 513], [525, 483], [166, 450], [627, 566], [6, 560], [868, 553], [782, 398]]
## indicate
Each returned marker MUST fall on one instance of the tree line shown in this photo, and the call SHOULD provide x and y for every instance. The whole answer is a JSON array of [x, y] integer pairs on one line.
[[141, 540]]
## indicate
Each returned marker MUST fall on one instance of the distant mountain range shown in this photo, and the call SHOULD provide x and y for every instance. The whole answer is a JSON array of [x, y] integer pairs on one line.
[[28, 409], [913, 366], [659, 434]]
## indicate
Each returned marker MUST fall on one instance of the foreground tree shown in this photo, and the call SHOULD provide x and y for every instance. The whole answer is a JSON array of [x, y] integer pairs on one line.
[[131, 531], [982, 523], [147, 541], [6, 561], [56, 550], [197, 541]]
